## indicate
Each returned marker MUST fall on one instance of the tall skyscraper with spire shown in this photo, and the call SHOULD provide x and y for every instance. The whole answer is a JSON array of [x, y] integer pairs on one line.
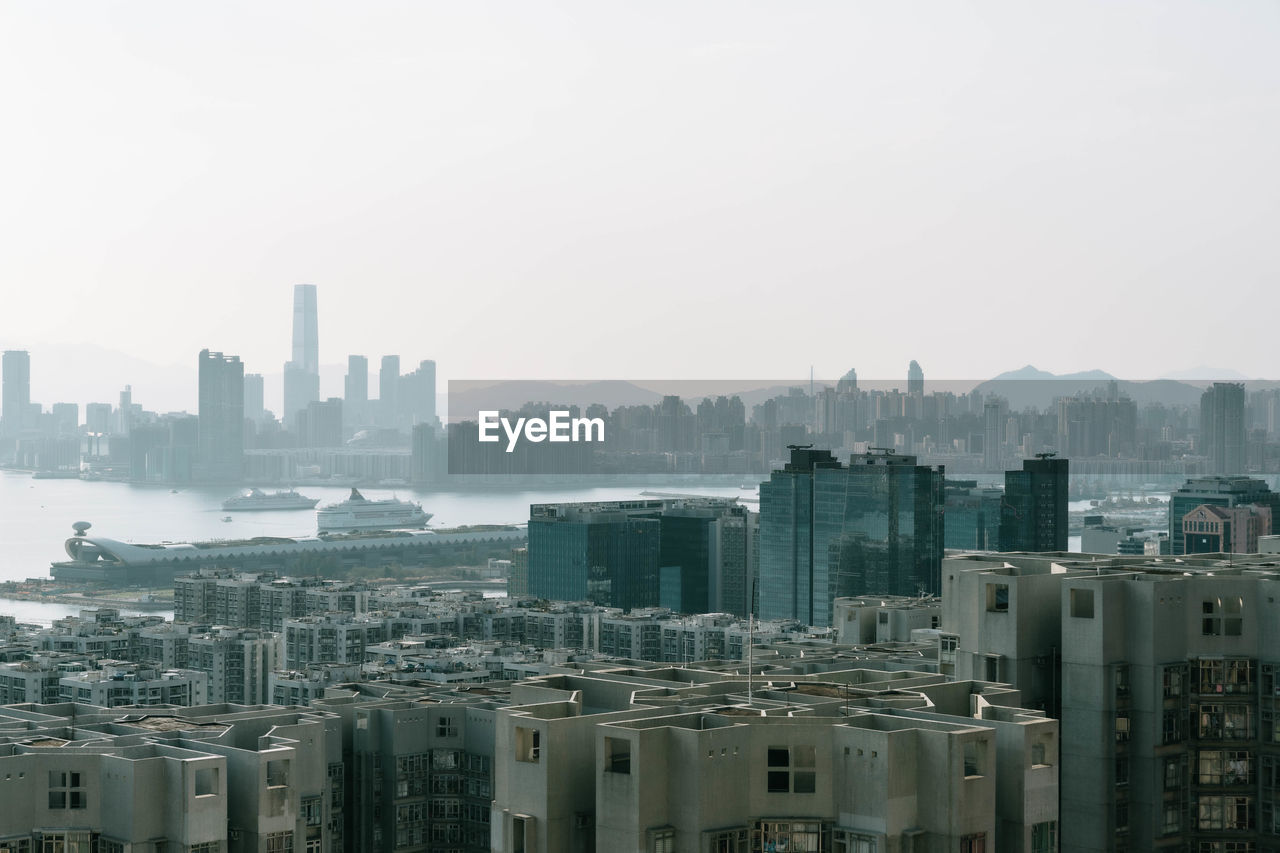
[[302, 372]]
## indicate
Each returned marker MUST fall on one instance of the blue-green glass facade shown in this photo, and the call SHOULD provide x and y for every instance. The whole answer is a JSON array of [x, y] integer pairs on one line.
[[875, 527], [609, 559]]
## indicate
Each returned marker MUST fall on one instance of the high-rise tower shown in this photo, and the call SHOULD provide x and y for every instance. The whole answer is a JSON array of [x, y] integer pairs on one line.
[[302, 372], [221, 415], [17, 391], [1222, 427], [915, 378]]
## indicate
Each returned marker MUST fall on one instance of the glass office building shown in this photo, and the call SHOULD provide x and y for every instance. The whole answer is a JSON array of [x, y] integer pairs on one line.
[[874, 527]]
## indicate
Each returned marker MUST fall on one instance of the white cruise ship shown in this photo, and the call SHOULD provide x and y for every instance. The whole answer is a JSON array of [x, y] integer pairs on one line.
[[359, 513], [259, 500]]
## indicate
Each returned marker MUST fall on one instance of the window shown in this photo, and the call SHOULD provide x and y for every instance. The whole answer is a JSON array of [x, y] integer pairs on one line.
[[975, 758], [66, 790], [280, 842], [976, 843], [206, 781], [787, 835], [311, 812], [1233, 621], [1172, 819], [1210, 621], [1122, 680], [445, 727], [1172, 774], [278, 774], [997, 598], [791, 770], [519, 829], [853, 842], [1173, 682], [206, 847], [1174, 729], [1082, 603], [617, 753], [662, 840], [528, 744], [23, 845], [1122, 727], [66, 842], [1044, 837], [1225, 767], [1122, 770]]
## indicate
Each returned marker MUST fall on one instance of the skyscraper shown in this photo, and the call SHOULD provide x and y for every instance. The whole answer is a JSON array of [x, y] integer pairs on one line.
[[992, 419], [418, 394], [355, 391], [16, 392], [221, 428], [254, 403], [826, 530], [605, 553], [306, 340], [302, 372], [1222, 427], [1033, 516], [389, 390], [915, 378]]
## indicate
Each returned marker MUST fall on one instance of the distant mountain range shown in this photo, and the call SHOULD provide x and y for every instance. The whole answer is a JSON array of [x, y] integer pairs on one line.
[[1029, 386]]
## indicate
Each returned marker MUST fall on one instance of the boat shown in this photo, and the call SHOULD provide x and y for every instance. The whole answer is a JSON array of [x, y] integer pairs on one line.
[[256, 499], [359, 513]]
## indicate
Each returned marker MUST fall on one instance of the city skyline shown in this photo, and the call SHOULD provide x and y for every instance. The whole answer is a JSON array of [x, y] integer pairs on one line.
[[748, 164]]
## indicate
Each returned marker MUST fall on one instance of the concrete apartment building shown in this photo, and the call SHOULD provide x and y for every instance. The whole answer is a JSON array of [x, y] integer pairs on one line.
[[117, 683], [219, 779], [1164, 671], [617, 758]]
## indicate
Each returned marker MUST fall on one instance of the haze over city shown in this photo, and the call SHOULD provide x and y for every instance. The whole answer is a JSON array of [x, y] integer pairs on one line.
[[703, 427], [976, 187]]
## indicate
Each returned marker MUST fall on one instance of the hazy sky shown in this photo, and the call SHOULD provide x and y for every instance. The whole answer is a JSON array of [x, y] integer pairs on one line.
[[646, 189]]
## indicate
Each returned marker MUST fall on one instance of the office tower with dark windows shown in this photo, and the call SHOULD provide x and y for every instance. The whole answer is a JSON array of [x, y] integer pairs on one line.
[[16, 392], [1034, 513], [885, 527], [1222, 428], [972, 516], [705, 556], [875, 527], [787, 559], [1217, 491], [221, 418], [605, 553], [355, 389], [915, 378], [389, 390], [302, 372]]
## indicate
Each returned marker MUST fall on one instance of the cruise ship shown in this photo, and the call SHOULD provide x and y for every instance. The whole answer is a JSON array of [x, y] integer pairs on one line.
[[259, 500], [359, 513]]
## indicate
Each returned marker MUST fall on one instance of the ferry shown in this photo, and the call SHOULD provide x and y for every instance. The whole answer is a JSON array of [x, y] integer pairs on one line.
[[259, 500], [359, 513]]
